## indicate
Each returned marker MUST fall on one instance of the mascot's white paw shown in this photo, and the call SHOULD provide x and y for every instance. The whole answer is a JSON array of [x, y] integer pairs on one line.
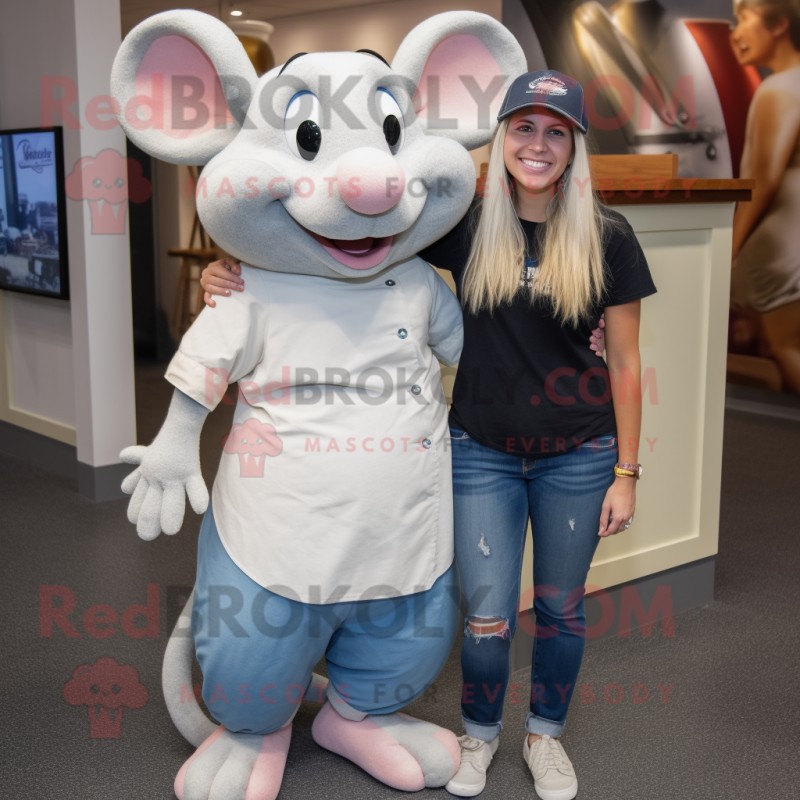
[[400, 751], [158, 487], [235, 766]]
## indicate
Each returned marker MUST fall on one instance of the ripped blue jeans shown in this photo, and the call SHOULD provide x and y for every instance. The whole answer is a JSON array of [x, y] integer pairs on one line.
[[494, 496]]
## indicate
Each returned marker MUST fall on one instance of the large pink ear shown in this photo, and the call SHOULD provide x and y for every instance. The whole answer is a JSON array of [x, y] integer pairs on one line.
[[183, 84], [461, 63]]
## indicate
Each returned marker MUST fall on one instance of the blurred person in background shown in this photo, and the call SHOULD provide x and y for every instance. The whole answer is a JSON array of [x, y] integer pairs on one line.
[[766, 230]]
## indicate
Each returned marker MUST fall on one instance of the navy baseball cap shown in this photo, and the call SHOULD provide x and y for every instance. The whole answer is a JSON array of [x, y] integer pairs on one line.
[[550, 89]]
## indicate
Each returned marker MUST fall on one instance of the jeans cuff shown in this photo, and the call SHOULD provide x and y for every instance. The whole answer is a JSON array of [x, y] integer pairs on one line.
[[541, 726], [345, 710], [486, 731]]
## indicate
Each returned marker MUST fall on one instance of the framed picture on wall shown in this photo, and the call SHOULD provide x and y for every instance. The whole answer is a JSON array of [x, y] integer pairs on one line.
[[33, 213]]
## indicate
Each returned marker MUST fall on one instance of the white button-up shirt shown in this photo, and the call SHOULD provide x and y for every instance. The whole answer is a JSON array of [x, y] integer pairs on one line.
[[335, 481]]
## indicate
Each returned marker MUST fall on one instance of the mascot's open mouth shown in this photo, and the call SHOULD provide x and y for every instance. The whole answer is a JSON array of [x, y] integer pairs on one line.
[[363, 253]]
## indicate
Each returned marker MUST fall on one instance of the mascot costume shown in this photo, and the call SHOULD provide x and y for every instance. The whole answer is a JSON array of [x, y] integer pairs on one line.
[[329, 531]]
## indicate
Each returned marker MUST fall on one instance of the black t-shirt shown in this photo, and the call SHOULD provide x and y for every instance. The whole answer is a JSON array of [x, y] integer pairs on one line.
[[526, 384]]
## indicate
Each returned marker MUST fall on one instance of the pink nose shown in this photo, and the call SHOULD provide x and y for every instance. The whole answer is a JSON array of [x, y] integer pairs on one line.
[[370, 181]]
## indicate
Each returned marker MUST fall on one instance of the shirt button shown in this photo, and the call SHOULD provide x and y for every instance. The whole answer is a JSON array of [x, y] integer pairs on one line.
[[402, 333], [426, 443], [416, 389], [390, 283]]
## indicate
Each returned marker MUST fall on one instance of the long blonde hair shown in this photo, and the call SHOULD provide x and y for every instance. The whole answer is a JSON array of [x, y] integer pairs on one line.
[[570, 246]]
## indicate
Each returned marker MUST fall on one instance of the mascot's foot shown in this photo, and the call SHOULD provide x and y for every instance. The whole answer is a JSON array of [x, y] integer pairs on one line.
[[400, 751], [235, 766]]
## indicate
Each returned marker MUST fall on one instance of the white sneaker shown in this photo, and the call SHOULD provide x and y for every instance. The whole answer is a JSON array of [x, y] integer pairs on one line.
[[553, 774], [476, 755]]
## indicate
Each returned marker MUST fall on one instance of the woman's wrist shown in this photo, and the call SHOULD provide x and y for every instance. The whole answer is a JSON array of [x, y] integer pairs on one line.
[[625, 483]]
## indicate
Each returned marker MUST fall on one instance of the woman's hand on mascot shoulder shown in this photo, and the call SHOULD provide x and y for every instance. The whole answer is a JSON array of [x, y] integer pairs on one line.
[[221, 277]]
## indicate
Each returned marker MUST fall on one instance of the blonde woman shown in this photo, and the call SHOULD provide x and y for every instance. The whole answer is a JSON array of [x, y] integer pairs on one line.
[[536, 433], [766, 236]]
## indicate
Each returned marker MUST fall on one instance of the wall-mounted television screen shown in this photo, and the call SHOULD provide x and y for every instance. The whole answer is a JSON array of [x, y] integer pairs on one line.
[[33, 218]]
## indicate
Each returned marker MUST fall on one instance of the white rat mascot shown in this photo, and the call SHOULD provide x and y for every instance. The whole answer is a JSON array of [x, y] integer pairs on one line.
[[330, 528]]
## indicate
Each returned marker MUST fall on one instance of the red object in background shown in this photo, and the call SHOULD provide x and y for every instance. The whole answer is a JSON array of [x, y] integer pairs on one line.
[[735, 84]]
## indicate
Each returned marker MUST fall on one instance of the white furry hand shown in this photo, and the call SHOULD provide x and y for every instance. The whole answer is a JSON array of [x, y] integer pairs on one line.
[[158, 486], [166, 469]]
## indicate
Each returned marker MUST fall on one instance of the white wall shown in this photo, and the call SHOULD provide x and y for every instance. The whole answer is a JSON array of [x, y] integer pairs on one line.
[[102, 323], [36, 337], [40, 354], [92, 357], [379, 27]]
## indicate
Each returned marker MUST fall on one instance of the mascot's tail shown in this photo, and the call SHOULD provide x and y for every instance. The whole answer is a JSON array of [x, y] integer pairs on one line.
[[176, 682]]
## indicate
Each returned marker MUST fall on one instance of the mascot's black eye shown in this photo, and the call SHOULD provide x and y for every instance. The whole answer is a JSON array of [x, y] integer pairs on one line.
[[389, 110], [391, 130], [309, 138], [301, 125]]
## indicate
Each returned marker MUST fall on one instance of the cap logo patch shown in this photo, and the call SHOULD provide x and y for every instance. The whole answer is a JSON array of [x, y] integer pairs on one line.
[[547, 84]]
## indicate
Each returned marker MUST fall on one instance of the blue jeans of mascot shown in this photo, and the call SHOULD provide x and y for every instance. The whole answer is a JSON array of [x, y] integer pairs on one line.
[[257, 649]]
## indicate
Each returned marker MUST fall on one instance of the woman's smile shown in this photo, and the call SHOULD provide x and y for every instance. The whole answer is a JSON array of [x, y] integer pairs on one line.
[[535, 165]]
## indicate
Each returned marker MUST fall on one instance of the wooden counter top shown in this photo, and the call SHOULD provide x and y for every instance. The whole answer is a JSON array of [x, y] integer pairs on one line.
[[651, 191], [653, 179]]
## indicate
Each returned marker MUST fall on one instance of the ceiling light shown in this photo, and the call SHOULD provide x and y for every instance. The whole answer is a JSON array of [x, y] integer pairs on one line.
[[236, 13]]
